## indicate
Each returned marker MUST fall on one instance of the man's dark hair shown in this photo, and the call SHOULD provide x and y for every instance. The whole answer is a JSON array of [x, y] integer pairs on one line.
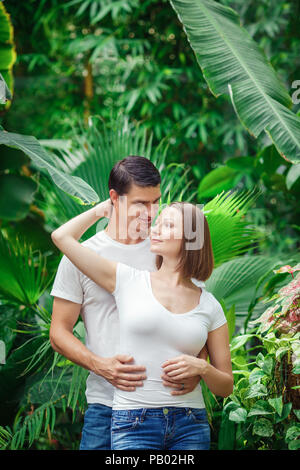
[[133, 170]]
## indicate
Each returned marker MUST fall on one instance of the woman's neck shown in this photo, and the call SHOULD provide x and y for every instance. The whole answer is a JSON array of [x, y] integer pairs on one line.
[[174, 278]]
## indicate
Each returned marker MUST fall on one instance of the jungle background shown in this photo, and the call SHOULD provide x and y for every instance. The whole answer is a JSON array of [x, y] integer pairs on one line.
[[93, 81]]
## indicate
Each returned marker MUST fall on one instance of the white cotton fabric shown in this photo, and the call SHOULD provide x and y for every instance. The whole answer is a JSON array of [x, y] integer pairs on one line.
[[99, 311], [152, 334]]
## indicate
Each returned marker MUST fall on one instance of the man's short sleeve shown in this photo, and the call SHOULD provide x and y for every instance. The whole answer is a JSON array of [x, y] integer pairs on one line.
[[218, 316], [67, 283]]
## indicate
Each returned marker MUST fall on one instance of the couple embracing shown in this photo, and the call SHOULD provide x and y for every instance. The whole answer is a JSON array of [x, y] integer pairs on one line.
[[150, 322]]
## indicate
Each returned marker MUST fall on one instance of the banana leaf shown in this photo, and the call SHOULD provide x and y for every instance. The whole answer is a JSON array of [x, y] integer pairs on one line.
[[233, 63], [77, 189]]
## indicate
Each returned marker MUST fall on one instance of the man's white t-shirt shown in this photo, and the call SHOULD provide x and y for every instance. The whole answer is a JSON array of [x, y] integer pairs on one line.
[[99, 311], [152, 334]]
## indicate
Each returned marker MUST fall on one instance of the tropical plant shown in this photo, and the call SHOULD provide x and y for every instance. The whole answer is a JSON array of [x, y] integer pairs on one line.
[[100, 151], [263, 410], [7, 59], [231, 61], [106, 58]]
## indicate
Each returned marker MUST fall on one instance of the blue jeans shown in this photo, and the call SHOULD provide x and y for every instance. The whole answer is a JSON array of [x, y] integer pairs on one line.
[[96, 428], [169, 428]]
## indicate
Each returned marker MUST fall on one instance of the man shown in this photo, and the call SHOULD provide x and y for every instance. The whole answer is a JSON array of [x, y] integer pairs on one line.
[[134, 190]]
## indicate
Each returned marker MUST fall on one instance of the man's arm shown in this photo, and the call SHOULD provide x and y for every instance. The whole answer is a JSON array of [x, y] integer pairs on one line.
[[114, 369]]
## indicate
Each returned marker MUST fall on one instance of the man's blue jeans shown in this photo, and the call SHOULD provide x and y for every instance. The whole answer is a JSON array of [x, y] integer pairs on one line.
[[96, 428], [169, 428]]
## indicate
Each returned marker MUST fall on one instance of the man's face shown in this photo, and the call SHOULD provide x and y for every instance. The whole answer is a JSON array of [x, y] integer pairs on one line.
[[137, 209]]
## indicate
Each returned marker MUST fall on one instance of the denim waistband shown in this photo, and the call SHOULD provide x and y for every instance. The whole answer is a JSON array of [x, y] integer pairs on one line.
[[167, 410]]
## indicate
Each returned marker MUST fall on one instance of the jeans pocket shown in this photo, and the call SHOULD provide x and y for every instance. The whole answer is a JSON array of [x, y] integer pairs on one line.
[[199, 415], [122, 423]]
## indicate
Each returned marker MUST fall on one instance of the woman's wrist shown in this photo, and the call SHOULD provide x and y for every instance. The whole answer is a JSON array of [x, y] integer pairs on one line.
[[203, 366], [104, 209]]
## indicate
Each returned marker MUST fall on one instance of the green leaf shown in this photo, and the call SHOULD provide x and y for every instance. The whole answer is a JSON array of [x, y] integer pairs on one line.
[[226, 436], [218, 180], [277, 404], [294, 445], [231, 60], [232, 405], [260, 360], [22, 271], [257, 390], [292, 175], [239, 415], [268, 365], [256, 376], [243, 164], [263, 427], [17, 194], [296, 367], [292, 433], [75, 187], [231, 235], [261, 407], [239, 341], [284, 414], [230, 317], [297, 414]]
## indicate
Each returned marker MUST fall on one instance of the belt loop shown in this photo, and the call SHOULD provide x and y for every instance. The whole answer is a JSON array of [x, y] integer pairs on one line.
[[143, 414]]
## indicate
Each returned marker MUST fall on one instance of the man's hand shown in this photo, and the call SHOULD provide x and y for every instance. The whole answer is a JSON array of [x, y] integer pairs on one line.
[[116, 371], [189, 384]]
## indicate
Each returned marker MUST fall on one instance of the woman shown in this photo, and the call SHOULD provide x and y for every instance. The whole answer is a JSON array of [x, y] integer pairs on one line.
[[165, 320]]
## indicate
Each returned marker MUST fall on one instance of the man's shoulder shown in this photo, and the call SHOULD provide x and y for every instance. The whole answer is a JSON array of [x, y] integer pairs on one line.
[[95, 241]]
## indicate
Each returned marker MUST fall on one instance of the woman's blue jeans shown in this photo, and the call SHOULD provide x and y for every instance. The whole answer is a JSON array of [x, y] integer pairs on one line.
[[169, 428]]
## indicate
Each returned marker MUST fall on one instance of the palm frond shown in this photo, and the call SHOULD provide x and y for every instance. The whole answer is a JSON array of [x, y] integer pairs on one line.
[[96, 150], [27, 429], [238, 282], [23, 271], [231, 233]]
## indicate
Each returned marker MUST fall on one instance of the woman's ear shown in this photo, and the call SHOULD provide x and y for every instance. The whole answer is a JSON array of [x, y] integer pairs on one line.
[[113, 197]]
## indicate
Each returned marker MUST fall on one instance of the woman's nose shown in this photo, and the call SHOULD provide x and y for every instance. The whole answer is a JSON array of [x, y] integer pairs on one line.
[[154, 230]]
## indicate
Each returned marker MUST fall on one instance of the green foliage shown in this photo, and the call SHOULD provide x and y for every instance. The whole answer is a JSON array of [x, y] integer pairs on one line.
[[75, 187], [263, 417], [265, 403], [23, 271], [7, 58], [83, 59], [230, 59]]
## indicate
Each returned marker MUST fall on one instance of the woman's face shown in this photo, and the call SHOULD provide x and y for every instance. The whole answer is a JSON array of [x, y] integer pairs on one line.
[[166, 234]]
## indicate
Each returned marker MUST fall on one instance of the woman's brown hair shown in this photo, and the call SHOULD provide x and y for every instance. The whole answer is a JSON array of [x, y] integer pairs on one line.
[[198, 262]]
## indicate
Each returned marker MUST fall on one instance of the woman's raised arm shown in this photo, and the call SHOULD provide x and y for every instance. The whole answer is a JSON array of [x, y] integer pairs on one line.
[[99, 269]]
